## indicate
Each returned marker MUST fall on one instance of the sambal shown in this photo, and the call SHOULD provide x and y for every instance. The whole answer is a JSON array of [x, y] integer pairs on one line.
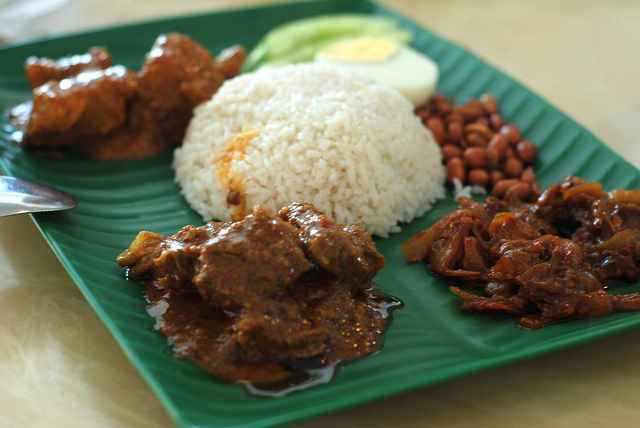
[[546, 261]]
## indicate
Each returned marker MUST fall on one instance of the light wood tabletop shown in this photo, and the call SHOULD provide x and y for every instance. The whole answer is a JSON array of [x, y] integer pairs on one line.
[[59, 366]]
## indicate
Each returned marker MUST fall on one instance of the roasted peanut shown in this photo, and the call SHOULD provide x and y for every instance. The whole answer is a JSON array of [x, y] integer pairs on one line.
[[475, 139], [497, 121], [476, 157], [489, 103], [422, 113], [455, 131], [493, 159], [495, 176], [509, 153], [478, 176], [512, 132], [513, 167], [450, 151], [443, 107], [520, 191], [478, 128], [526, 151], [436, 126], [469, 111], [438, 99], [501, 187], [480, 148], [455, 168], [528, 175], [476, 104], [453, 117], [498, 143], [483, 121]]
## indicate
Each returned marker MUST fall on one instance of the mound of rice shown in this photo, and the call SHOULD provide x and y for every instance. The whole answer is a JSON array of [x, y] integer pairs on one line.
[[310, 132]]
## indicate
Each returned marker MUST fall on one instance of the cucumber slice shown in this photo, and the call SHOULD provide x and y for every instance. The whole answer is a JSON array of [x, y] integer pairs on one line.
[[300, 40]]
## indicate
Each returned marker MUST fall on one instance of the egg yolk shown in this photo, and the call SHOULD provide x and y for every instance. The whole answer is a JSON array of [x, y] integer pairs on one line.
[[364, 49]]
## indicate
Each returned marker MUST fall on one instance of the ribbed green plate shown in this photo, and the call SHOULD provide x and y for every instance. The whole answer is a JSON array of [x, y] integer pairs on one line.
[[429, 341]]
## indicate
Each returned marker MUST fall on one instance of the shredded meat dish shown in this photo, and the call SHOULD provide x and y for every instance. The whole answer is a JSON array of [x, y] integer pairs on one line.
[[547, 261], [260, 299], [111, 112]]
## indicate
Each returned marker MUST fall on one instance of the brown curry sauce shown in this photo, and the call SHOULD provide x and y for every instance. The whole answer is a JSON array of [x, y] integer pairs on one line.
[[275, 303]]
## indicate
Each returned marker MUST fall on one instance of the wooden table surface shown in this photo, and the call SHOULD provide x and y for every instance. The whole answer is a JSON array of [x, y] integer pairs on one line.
[[59, 366]]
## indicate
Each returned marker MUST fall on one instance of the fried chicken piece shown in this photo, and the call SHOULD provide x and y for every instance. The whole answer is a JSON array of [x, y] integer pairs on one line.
[[88, 104], [42, 70], [110, 112]]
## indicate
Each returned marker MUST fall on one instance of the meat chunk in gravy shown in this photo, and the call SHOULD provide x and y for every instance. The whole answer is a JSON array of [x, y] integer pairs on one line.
[[346, 251], [547, 261], [256, 300]]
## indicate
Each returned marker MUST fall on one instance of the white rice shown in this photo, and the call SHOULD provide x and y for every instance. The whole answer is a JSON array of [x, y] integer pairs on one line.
[[323, 134]]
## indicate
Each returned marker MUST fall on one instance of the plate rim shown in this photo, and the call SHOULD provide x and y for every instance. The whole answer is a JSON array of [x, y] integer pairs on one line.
[[157, 388]]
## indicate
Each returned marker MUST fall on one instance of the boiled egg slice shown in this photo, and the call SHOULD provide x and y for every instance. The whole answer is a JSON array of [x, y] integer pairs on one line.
[[388, 62]]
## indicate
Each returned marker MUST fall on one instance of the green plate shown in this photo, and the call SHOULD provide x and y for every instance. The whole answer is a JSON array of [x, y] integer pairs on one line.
[[429, 341]]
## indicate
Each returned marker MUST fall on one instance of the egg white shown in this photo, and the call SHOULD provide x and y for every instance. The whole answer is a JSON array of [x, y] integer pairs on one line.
[[389, 63]]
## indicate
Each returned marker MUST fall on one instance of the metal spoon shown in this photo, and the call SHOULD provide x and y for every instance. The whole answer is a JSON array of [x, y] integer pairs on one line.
[[22, 196]]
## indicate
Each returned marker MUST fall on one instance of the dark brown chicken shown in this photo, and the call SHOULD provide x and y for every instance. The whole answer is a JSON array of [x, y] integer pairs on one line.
[[547, 261], [257, 299], [109, 112], [43, 70]]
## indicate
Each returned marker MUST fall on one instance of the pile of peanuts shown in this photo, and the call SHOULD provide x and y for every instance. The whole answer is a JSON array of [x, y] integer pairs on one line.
[[479, 148]]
